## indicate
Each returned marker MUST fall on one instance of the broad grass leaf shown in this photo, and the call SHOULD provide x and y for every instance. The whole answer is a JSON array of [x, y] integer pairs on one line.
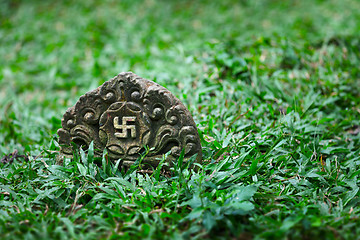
[[244, 193], [195, 214], [290, 222], [123, 182], [116, 167], [50, 193], [69, 225], [83, 157], [253, 167], [181, 160], [7, 189], [208, 220], [350, 195], [194, 202], [238, 208], [100, 196], [119, 189], [6, 203], [109, 191], [90, 155], [158, 168], [60, 171], [227, 140], [82, 169]]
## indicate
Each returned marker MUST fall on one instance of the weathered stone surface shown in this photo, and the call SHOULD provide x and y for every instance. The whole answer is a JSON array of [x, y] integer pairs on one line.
[[124, 115]]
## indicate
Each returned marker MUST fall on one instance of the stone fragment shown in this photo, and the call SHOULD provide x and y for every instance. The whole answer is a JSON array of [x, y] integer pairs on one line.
[[127, 114]]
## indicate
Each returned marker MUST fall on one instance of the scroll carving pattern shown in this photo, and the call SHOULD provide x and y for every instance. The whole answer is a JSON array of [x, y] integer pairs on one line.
[[160, 120]]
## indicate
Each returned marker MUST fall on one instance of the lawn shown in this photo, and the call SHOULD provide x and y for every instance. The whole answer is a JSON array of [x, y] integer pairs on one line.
[[274, 89]]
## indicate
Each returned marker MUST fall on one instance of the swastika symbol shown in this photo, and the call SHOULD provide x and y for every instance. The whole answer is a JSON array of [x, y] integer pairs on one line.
[[125, 129]]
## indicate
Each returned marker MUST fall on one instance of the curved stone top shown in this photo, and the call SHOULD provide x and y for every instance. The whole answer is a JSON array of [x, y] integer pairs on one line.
[[127, 114]]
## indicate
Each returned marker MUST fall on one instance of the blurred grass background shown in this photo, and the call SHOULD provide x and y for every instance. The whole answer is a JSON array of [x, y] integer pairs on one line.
[[53, 51]]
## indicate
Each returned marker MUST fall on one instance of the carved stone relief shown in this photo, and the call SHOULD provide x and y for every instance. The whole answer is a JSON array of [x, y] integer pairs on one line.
[[124, 115]]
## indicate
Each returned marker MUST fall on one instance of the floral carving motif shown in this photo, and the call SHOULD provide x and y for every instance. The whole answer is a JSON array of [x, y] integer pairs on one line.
[[127, 114]]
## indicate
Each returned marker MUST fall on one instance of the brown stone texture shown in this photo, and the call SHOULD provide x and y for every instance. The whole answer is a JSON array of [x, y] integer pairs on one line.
[[127, 114]]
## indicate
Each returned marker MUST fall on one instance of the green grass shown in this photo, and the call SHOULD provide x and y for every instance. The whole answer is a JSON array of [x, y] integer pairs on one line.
[[273, 87]]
